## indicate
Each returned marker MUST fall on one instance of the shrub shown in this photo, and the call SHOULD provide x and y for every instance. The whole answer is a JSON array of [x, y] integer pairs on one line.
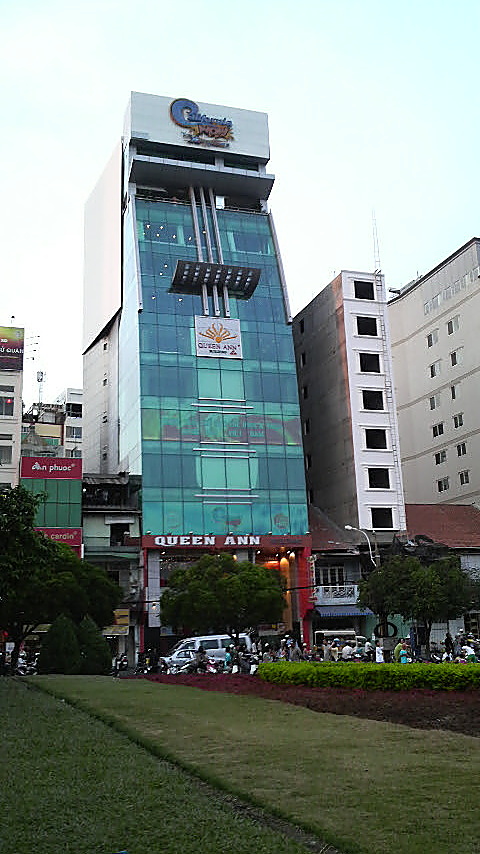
[[60, 652], [384, 677], [95, 653]]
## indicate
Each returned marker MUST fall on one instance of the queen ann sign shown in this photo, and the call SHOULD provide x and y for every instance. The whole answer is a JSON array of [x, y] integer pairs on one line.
[[219, 336]]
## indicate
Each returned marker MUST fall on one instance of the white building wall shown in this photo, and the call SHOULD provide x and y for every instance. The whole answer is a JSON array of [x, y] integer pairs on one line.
[[100, 409], [435, 318], [11, 428], [361, 418]]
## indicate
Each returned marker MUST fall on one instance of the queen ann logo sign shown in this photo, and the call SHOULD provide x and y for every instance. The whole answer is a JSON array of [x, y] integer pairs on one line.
[[200, 129], [219, 336]]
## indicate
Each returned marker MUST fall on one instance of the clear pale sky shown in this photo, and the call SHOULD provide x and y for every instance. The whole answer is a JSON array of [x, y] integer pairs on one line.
[[373, 105]]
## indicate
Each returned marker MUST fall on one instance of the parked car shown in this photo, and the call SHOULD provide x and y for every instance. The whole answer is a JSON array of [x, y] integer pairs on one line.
[[214, 645]]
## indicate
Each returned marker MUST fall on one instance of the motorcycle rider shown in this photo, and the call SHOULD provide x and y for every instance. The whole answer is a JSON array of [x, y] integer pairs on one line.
[[201, 660]]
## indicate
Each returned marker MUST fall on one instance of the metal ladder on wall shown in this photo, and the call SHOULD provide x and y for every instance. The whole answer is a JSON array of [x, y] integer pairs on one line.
[[389, 395]]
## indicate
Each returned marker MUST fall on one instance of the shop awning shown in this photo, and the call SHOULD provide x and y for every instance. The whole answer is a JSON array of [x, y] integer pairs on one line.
[[342, 611]]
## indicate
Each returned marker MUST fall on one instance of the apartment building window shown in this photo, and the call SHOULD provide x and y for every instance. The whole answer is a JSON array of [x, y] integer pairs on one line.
[[440, 457], [105, 381], [456, 357], [453, 391], [378, 478], [367, 325], [372, 399], [330, 576], [369, 363], [73, 432], [443, 484], [308, 461], [453, 325], [310, 496], [305, 391], [464, 477], [301, 326], [303, 359], [432, 338], [6, 400], [6, 454], [435, 401], [364, 290], [382, 517], [458, 420], [306, 426], [437, 429], [375, 438], [435, 368], [461, 449]]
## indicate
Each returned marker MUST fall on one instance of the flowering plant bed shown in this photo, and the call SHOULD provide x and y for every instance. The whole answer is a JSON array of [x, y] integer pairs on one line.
[[458, 711]]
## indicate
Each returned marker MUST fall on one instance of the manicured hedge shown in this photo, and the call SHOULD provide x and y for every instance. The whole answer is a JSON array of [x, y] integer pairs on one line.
[[384, 677]]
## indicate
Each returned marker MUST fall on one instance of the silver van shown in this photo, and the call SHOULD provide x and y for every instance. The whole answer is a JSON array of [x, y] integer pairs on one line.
[[214, 645]]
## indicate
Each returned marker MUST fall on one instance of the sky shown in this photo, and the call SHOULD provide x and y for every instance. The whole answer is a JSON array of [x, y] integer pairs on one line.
[[373, 117]]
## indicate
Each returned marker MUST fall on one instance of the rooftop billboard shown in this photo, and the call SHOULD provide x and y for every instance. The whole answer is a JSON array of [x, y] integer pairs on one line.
[[186, 122], [11, 348]]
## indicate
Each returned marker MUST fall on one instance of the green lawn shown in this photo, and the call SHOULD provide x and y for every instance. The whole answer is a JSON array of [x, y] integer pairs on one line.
[[373, 788], [71, 784]]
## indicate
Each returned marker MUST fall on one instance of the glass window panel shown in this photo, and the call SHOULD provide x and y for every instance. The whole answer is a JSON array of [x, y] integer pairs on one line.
[[213, 473], [211, 426], [232, 384], [253, 386], [150, 424], [171, 470], [271, 387], [209, 383], [152, 470], [238, 473]]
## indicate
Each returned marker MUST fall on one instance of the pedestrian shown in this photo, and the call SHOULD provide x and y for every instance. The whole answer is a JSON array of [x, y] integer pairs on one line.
[[379, 659], [267, 655], [403, 654], [334, 649], [397, 650], [449, 645]]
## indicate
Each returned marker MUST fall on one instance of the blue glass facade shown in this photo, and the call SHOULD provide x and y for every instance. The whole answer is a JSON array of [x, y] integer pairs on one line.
[[221, 446]]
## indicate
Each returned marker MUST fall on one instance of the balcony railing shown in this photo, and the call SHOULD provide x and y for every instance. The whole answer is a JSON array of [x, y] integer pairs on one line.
[[332, 594]]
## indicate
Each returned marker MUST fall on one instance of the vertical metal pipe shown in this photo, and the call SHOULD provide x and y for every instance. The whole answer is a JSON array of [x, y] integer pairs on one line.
[[226, 303], [198, 241]]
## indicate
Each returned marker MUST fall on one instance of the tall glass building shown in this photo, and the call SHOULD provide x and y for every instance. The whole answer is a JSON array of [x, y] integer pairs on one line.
[[189, 376]]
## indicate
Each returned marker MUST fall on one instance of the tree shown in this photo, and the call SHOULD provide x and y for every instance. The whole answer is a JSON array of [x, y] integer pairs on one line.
[[41, 579], [219, 594], [436, 592]]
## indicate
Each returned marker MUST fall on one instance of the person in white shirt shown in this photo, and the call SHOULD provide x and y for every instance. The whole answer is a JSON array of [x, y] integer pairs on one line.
[[347, 652], [379, 653]]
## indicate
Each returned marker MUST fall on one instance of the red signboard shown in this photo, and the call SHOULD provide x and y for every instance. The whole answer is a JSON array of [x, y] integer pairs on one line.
[[207, 542], [70, 536], [53, 468]]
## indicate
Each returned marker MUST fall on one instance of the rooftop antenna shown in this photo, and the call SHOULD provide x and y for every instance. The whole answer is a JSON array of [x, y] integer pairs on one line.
[[41, 377], [376, 247]]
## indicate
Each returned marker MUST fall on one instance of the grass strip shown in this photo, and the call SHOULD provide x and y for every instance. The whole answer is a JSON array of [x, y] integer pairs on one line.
[[365, 786], [71, 784]]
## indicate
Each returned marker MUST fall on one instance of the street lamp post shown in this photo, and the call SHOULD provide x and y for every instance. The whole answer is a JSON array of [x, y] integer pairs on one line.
[[375, 560]]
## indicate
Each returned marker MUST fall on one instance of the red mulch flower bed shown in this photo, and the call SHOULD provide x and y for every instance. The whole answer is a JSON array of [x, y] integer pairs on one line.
[[456, 711]]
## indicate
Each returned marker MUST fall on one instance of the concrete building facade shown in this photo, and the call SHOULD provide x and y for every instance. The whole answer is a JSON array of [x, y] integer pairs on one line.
[[434, 328], [349, 422]]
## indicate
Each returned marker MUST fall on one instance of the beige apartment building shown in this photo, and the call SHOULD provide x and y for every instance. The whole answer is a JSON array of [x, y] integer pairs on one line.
[[435, 330]]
